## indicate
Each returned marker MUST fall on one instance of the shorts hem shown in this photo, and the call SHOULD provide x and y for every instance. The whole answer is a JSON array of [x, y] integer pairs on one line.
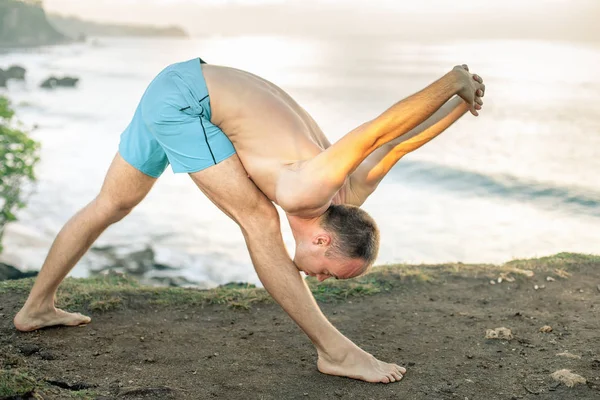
[[192, 170], [140, 167]]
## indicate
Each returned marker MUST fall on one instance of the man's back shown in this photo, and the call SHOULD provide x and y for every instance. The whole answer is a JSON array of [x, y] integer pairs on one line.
[[269, 130]]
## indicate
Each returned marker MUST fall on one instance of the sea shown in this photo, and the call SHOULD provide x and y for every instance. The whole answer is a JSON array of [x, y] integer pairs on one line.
[[521, 180]]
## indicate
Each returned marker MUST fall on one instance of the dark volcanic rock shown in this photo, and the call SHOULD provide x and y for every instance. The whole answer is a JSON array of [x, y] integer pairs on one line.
[[67, 81], [49, 83], [16, 72], [141, 264], [8, 272], [53, 82]]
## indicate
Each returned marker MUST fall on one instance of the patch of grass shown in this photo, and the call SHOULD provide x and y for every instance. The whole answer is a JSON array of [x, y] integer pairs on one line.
[[15, 383], [17, 286], [20, 383], [106, 305], [112, 291], [340, 290], [565, 261]]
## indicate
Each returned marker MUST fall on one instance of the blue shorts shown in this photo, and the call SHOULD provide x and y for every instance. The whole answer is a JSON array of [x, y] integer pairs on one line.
[[172, 125]]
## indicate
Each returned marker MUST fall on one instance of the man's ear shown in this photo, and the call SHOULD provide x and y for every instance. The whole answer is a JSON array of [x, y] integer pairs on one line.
[[322, 239]]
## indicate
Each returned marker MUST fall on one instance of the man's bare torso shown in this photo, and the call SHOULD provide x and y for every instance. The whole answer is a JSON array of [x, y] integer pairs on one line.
[[269, 130]]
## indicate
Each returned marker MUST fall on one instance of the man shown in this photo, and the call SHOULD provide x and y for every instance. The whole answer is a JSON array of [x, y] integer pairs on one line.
[[283, 151], [318, 185]]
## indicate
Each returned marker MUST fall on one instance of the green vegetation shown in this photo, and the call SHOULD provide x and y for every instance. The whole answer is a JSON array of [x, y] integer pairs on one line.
[[113, 291], [24, 23], [18, 155], [16, 383], [21, 384]]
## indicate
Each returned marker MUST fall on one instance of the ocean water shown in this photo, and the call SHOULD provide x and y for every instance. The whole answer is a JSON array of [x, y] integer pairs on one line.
[[521, 180]]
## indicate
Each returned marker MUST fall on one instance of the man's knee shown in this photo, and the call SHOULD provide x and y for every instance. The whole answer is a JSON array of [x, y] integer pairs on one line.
[[113, 210], [262, 216]]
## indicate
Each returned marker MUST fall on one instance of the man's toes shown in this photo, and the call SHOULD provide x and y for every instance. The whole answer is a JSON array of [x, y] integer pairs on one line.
[[82, 319], [397, 376], [76, 319], [385, 379], [401, 369]]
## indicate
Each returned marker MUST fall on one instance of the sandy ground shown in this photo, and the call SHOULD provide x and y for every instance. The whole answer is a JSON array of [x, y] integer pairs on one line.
[[435, 329]]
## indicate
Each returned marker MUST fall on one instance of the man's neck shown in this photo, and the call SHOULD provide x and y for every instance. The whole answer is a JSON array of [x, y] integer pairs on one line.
[[303, 228]]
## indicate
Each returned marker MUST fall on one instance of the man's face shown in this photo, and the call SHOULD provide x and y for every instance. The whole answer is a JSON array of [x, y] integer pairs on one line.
[[322, 267]]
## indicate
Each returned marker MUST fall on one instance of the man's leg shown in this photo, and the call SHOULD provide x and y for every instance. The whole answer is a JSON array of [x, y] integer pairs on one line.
[[227, 185], [124, 187]]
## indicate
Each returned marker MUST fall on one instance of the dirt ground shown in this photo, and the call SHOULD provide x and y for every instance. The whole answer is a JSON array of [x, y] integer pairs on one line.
[[435, 329]]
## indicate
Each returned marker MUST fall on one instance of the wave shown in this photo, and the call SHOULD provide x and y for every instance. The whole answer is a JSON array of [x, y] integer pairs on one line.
[[509, 187]]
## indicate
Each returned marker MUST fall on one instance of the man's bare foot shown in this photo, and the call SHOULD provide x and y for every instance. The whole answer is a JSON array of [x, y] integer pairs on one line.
[[26, 321], [358, 364]]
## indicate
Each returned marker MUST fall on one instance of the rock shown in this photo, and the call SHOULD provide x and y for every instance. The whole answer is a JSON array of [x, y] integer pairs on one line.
[[3, 78], [546, 329], [550, 279], [499, 333], [16, 72], [49, 83], [140, 263], [568, 378], [70, 386], [46, 355], [8, 272], [53, 82], [29, 349], [67, 81]]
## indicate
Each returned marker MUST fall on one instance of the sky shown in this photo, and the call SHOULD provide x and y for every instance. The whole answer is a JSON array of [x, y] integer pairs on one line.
[[555, 19]]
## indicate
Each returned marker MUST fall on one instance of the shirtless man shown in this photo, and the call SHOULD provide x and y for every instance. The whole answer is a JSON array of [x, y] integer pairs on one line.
[[176, 123]]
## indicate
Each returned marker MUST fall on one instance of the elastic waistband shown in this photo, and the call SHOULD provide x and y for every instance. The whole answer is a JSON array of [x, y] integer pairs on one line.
[[192, 86]]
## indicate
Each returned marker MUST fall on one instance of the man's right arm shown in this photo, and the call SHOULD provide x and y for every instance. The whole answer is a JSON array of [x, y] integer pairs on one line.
[[304, 190]]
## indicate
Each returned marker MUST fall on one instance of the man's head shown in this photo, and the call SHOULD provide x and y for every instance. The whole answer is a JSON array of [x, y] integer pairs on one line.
[[343, 243]]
